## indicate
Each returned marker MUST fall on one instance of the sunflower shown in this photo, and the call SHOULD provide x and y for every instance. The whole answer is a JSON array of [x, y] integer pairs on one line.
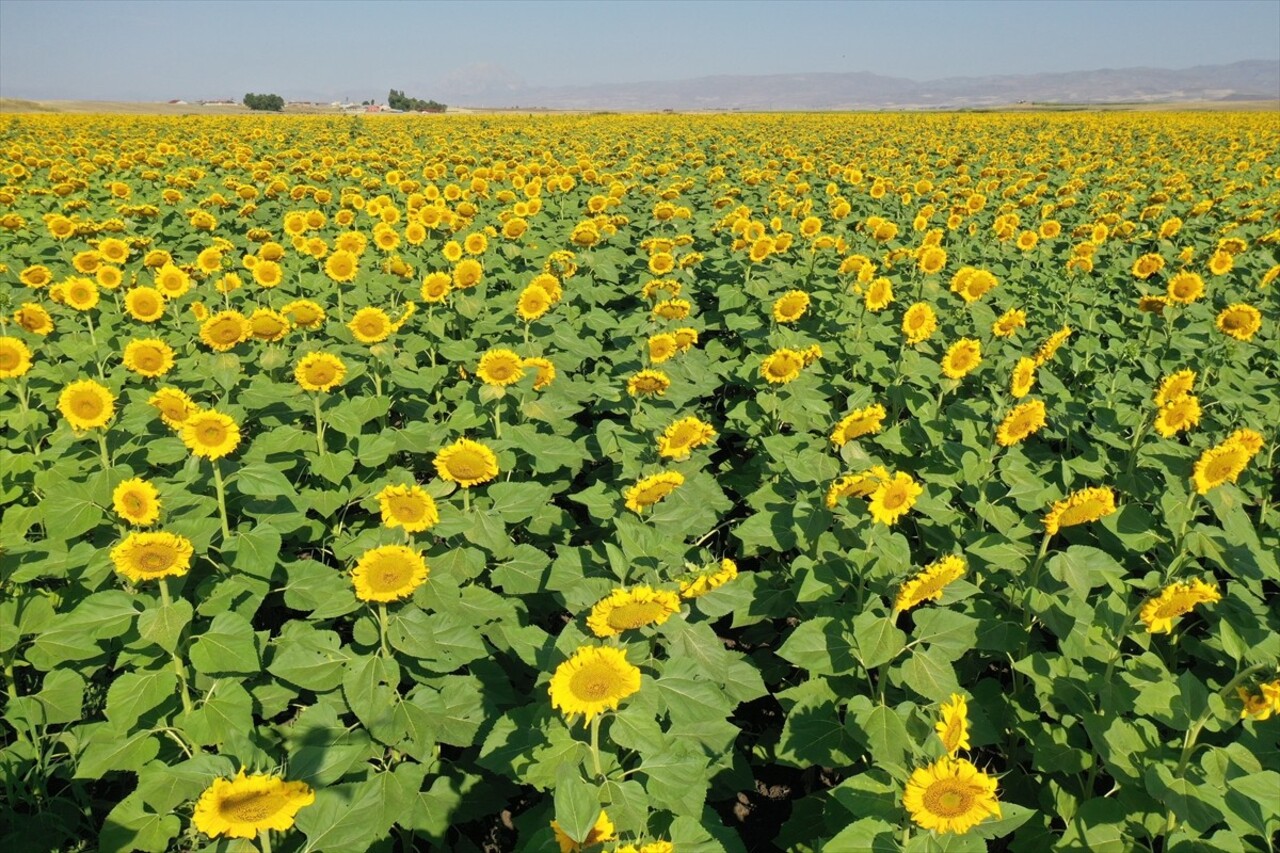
[[1147, 266], [86, 404], [408, 507], [210, 434], [686, 338], [304, 314], [1022, 421], [893, 497], [389, 573], [35, 276], [628, 609], [1009, 323], [672, 309], [950, 795], [172, 281], [436, 286], [1050, 347], [145, 304], [1239, 321], [81, 293], [961, 358], [109, 278], [475, 244], [150, 556], [662, 347], [1174, 601], [856, 485], [467, 273], [593, 681], [651, 847], [245, 806], [931, 260], [467, 463], [1262, 705], [1023, 378], [1175, 386], [865, 421], [370, 325], [953, 728], [15, 358], [790, 306], [267, 273], [550, 284], [684, 436], [601, 831], [1080, 507], [919, 323], [1250, 440], [713, 578], [648, 383], [1178, 416], [209, 260], [173, 405], [1152, 304], [879, 295], [34, 318], [500, 367], [319, 371], [268, 325], [533, 303], [546, 371], [148, 357], [342, 266], [1221, 263], [930, 582], [649, 490], [782, 366], [137, 502], [1185, 288], [1218, 465], [224, 330], [113, 250]]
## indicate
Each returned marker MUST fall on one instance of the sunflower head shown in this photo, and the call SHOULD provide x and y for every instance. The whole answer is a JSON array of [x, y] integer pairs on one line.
[[86, 404], [210, 434], [150, 556], [649, 490], [467, 463], [370, 325], [629, 609], [500, 367], [245, 806], [389, 573], [15, 358], [950, 796], [137, 502], [319, 371], [593, 681], [408, 507]]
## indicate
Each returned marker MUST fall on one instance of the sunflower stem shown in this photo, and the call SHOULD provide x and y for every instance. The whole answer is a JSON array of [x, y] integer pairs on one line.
[[595, 746], [382, 629], [178, 668], [1030, 591], [497, 418], [466, 500], [222, 500], [102, 447], [315, 404], [264, 840]]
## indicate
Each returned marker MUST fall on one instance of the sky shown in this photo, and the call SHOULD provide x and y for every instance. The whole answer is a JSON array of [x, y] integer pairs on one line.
[[339, 49]]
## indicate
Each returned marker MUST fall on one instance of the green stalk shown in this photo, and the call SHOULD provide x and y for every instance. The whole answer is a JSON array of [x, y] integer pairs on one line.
[[264, 840], [222, 500], [315, 403], [178, 667], [1030, 589], [102, 447], [595, 746], [382, 628]]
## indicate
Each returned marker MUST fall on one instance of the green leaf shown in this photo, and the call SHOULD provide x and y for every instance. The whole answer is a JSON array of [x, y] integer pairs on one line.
[[263, 480], [227, 647], [577, 803], [163, 624], [877, 640], [255, 551], [130, 826], [111, 747], [135, 693], [343, 819], [929, 673]]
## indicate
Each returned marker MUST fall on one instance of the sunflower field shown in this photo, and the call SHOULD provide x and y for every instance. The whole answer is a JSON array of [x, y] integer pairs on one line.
[[640, 484]]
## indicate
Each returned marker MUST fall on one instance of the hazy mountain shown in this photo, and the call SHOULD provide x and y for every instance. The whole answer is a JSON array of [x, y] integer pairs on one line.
[[1252, 79]]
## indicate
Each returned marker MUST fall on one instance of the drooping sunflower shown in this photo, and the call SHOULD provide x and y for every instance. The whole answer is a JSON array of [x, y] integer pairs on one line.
[[467, 463], [370, 325], [859, 485], [546, 371], [145, 304], [1175, 600], [672, 309], [224, 330], [210, 434], [683, 437], [649, 490], [782, 366], [961, 358], [407, 507], [1024, 378], [148, 357], [893, 497], [628, 609], [15, 357], [950, 796], [919, 323], [708, 579], [1239, 321], [245, 806], [601, 831], [593, 681], [1022, 421], [790, 306], [953, 728], [144, 556], [1080, 507], [342, 266], [648, 383], [389, 573], [1009, 323], [86, 404], [930, 582], [137, 502], [174, 406], [500, 367], [1050, 347], [319, 371], [1178, 416], [865, 421], [1261, 705]]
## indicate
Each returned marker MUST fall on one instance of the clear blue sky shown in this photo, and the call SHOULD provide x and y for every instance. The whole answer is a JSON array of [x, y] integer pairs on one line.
[[157, 50]]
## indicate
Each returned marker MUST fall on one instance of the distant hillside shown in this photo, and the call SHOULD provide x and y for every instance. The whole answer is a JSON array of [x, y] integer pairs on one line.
[[1249, 80]]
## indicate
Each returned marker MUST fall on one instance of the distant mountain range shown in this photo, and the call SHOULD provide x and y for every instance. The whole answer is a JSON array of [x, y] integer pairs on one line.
[[1248, 80]]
